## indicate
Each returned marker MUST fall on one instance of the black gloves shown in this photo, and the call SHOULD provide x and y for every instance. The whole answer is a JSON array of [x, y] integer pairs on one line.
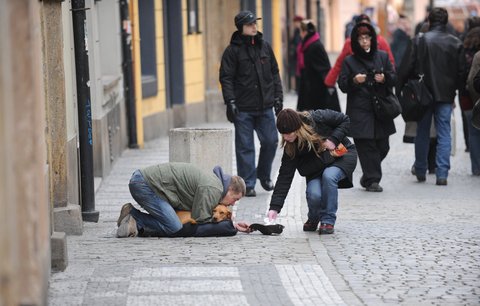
[[277, 105], [232, 111]]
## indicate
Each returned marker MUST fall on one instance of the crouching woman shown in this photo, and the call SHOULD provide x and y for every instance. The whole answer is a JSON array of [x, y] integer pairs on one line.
[[316, 145]]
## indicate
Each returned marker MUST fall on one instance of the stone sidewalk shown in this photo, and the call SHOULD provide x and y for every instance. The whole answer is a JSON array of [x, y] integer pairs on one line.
[[413, 244]]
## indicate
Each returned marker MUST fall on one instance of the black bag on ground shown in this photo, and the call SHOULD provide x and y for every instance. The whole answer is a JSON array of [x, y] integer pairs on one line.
[[386, 107]]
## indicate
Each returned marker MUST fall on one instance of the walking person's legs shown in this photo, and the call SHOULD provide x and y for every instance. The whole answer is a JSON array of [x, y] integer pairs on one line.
[[422, 143], [442, 116]]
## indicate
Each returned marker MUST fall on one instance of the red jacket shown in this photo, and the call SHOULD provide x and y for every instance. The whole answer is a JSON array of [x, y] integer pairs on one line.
[[333, 74]]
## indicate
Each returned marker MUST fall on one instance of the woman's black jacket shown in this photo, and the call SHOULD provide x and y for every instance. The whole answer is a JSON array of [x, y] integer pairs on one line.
[[333, 126]]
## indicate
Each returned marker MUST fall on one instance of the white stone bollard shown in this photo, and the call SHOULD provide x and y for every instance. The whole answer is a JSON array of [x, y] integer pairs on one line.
[[203, 147]]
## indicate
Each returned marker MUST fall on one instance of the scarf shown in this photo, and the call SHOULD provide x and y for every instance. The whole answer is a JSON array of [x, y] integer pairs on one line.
[[301, 49]]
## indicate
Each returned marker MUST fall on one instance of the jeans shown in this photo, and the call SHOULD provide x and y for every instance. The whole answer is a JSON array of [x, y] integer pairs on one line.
[[161, 217], [474, 144], [322, 195], [441, 113], [263, 122]]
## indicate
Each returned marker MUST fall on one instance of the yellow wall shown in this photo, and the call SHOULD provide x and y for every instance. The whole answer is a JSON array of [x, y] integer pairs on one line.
[[193, 47]]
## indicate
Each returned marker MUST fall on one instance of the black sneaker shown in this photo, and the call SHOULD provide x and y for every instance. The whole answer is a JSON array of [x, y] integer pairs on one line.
[[441, 181], [310, 226], [375, 187], [421, 178], [326, 229], [267, 184], [250, 192]]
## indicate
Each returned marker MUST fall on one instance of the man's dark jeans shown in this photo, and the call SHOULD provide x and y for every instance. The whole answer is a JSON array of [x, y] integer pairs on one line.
[[262, 122]]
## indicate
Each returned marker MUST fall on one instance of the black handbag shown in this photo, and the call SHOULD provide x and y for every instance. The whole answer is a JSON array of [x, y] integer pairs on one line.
[[415, 98], [386, 107]]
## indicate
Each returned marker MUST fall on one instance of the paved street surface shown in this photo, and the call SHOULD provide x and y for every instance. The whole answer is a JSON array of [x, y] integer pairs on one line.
[[413, 244]]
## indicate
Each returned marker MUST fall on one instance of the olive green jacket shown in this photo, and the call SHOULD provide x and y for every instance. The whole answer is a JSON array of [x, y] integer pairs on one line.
[[186, 187]]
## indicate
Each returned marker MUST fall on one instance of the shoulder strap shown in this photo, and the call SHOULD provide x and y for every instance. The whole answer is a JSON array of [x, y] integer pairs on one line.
[[421, 55]]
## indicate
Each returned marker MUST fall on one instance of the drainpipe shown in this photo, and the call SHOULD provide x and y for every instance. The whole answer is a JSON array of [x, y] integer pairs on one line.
[[128, 88], [89, 214]]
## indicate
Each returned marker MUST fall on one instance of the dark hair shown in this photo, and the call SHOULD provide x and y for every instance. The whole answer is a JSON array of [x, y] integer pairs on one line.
[[307, 26], [362, 18], [438, 15], [473, 22]]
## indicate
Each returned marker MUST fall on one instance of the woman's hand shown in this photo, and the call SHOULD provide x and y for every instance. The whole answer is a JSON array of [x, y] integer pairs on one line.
[[360, 78], [272, 215], [329, 145], [379, 78], [242, 227]]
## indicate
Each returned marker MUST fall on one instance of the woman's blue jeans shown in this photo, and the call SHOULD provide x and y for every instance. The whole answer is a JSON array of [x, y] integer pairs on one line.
[[161, 217], [322, 195]]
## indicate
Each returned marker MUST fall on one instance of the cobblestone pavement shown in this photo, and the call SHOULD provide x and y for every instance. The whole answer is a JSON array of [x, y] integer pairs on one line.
[[413, 244]]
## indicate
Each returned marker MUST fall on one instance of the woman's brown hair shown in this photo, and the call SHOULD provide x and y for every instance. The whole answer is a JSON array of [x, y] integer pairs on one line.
[[306, 138]]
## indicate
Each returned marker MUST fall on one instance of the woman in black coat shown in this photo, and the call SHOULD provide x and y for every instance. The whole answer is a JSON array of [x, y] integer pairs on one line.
[[365, 73], [312, 144], [313, 64]]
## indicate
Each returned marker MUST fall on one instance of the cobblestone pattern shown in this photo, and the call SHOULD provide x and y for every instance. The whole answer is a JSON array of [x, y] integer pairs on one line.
[[413, 244]]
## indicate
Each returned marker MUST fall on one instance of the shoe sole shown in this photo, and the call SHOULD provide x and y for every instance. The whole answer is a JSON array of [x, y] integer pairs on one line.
[[126, 208], [127, 228]]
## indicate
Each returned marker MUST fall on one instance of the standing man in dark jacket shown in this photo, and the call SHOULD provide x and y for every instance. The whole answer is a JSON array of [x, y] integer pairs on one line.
[[444, 68], [251, 87]]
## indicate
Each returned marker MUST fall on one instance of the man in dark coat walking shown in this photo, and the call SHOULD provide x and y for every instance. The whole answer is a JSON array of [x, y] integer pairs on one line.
[[444, 68], [251, 87]]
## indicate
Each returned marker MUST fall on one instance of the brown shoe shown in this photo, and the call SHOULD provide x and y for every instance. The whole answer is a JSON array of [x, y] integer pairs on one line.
[[127, 228], [126, 208], [310, 225]]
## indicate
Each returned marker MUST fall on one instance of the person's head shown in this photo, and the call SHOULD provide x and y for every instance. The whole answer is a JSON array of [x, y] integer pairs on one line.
[[473, 22], [297, 20], [438, 15], [306, 27], [362, 18], [246, 23], [236, 190], [296, 133], [364, 40]]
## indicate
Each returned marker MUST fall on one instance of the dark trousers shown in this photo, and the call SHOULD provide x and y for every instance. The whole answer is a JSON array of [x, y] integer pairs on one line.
[[371, 152]]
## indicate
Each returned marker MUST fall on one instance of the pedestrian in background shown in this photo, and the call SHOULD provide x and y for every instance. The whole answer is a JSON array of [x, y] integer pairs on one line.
[[474, 133], [411, 126], [401, 39], [444, 68], [292, 51], [364, 74], [309, 140], [471, 44], [162, 189], [382, 44], [251, 88], [313, 65]]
